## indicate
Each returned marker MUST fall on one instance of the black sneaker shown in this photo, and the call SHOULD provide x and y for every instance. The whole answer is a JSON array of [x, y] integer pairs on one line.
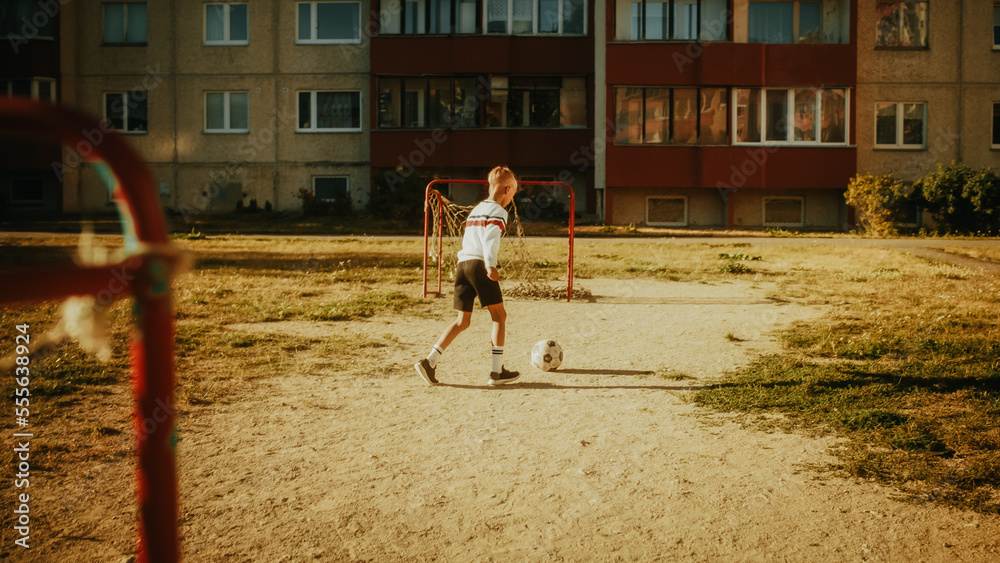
[[425, 370], [503, 377]]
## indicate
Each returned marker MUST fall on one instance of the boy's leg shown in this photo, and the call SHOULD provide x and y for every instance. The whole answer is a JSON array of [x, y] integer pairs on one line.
[[499, 374], [426, 367]]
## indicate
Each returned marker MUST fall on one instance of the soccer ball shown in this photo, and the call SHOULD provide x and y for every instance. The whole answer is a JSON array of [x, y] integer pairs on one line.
[[546, 355]]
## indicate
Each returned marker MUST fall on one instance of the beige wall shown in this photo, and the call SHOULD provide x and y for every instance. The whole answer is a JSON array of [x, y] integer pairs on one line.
[[938, 64], [204, 171], [705, 207], [824, 209], [977, 123]]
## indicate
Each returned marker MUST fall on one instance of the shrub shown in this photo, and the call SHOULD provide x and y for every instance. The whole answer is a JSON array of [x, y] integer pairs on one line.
[[314, 207], [879, 201], [962, 199]]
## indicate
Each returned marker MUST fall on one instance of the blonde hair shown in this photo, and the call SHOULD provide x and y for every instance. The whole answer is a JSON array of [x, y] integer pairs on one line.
[[500, 174]]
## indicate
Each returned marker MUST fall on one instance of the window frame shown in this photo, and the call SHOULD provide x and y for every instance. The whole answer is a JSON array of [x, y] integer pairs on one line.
[[996, 26], [687, 211], [796, 20], [671, 125], [313, 21], [22, 203], [125, 108], [802, 210], [789, 117], [314, 115], [35, 83], [347, 181], [226, 22], [700, 34], [534, 20], [125, 42], [454, 20], [899, 146], [226, 114], [902, 47], [994, 129]]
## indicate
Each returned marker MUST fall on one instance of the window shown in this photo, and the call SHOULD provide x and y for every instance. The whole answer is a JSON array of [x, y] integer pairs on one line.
[[666, 211], [26, 20], [227, 112], [331, 188], [784, 212], [795, 116], [43, 89], [226, 24], [27, 192], [996, 125], [662, 116], [996, 26], [126, 111], [329, 22], [901, 25], [125, 24], [679, 20], [428, 16], [900, 125], [329, 111], [785, 22], [482, 101], [563, 17]]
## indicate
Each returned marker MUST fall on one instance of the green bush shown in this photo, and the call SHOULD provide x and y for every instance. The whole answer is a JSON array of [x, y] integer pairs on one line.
[[879, 201], [962, 200]]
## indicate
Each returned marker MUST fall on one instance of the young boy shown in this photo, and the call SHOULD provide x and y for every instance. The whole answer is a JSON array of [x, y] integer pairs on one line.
[[478, 277]]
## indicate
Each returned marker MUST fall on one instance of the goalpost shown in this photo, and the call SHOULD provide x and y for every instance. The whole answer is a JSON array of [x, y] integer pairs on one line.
[[438, 210], [145, 275]]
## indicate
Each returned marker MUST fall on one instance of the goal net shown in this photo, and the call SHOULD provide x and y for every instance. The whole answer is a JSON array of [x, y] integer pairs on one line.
[[524, 276]]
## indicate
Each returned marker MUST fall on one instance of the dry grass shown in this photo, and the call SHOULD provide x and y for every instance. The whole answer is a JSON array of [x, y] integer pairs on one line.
[[905, 364]]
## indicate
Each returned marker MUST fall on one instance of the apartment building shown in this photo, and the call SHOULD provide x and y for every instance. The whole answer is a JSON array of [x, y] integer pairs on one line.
[[29, 67], [729, 114], [928, 86], [676, 113], [228, 102]]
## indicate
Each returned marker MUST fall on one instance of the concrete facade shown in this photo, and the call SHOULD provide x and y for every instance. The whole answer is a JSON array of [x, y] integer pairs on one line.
[[205, 171]]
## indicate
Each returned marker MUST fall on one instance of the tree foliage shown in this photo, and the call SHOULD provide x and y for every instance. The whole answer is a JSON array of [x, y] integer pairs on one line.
[[879, 202], [961, 199]]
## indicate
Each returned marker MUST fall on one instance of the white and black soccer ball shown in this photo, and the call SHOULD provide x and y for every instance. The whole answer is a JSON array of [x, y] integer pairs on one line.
[[546, 355]]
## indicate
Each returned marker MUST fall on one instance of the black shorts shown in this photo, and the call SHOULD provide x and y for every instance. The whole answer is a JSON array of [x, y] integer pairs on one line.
[[471, 281]]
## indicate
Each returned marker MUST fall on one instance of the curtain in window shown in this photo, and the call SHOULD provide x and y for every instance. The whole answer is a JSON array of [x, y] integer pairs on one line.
[[239, 110], [522, 12], [440, 16], [114, 23], [770, 22], [809, 23], [833, 112], [685, 116], [215, 22], [686, 19], [714, 116], [804, 115], [548, 16], [215, 110], [628, 116], [496, 16], [466, 17], [391, 18], [885, 124], [748, 115], [573, 16], [136, 23], [656, 116], [913, 124], [336, 110], [657, 19], [389, 103], [714, 20], [573, 102]]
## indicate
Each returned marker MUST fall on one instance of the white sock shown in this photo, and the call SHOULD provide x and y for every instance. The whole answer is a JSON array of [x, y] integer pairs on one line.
[[497, 359], [432, 358]]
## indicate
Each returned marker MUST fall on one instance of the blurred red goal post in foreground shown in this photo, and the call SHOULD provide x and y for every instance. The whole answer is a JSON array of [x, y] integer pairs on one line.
[[144, 275], [441, 214]]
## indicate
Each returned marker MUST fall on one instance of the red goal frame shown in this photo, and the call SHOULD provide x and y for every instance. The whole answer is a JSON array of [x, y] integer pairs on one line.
[[152, 347], [440, 231]]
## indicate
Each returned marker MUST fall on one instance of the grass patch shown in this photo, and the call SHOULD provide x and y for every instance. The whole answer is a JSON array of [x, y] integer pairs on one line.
[[908, 370]]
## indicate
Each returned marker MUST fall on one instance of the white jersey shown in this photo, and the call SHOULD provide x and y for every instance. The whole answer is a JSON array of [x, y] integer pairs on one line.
[[486, 223]]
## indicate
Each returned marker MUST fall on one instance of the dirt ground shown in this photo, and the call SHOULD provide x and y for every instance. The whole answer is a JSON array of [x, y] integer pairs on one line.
[[598, 461]]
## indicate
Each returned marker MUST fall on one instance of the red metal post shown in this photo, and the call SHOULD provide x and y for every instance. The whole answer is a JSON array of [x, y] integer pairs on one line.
[[152, 346]]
